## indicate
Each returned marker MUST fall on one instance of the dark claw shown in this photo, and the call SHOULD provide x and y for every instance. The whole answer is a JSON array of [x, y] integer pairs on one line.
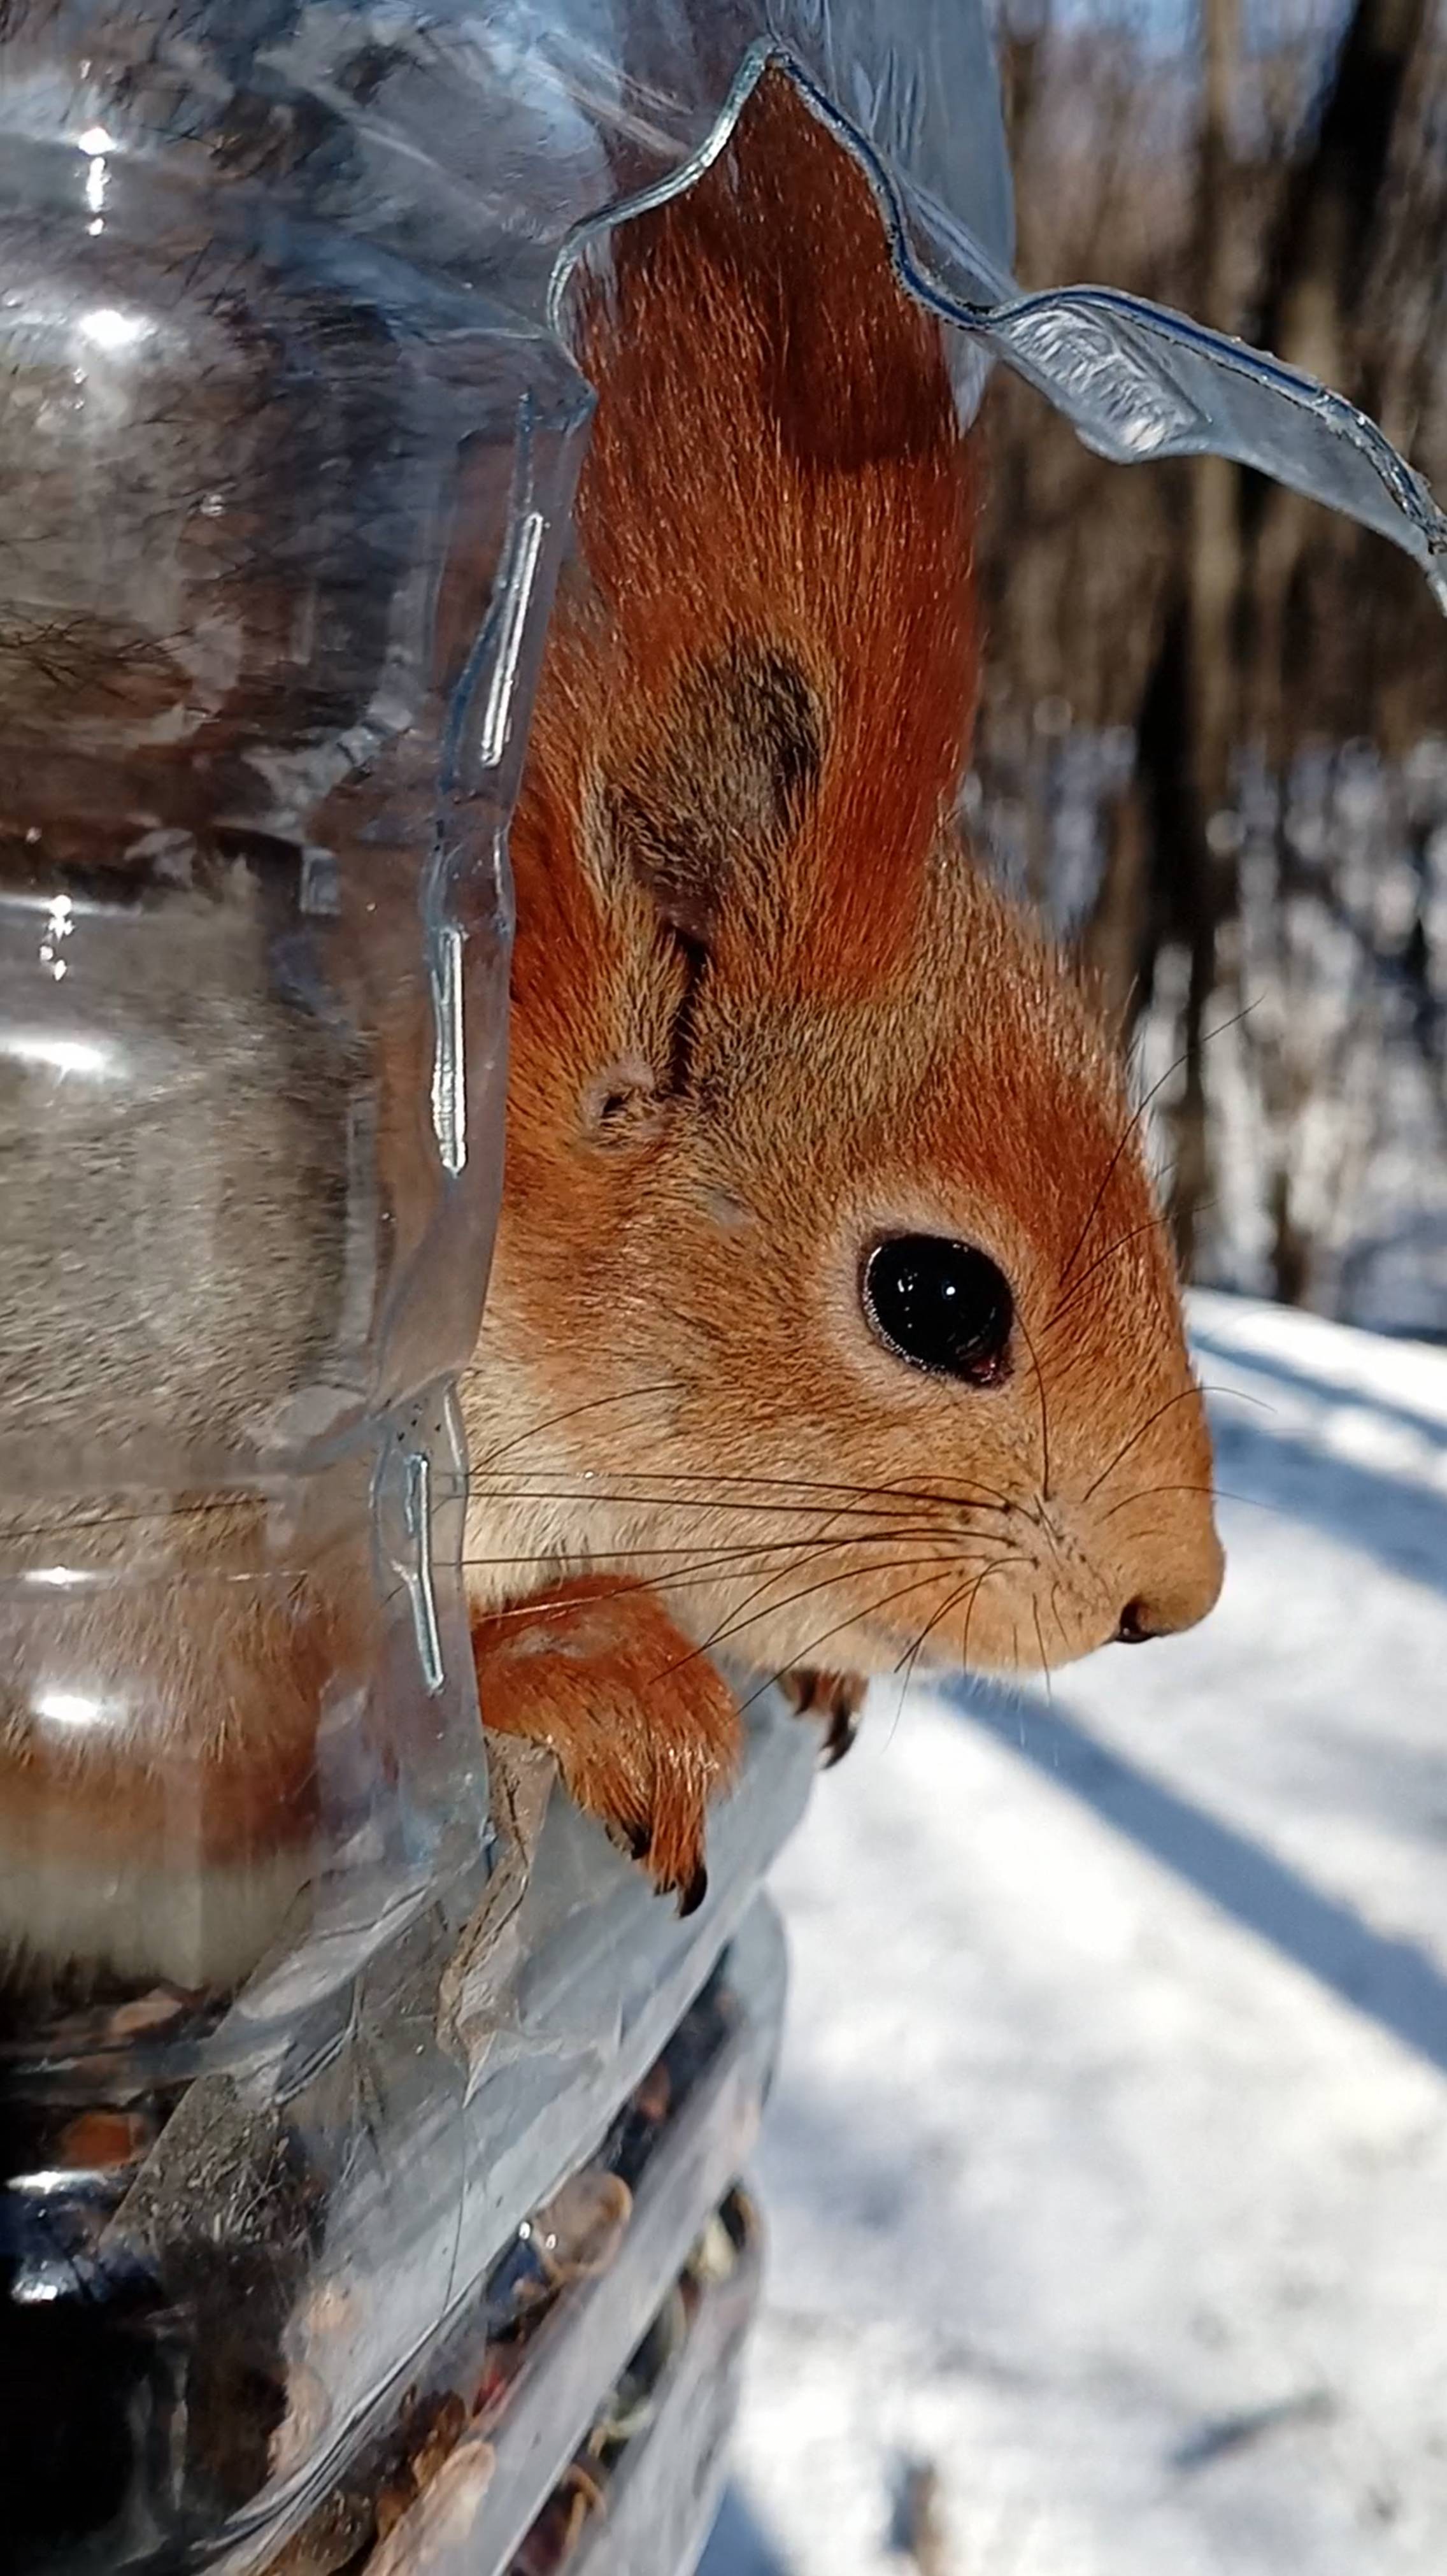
[[839, 1735], [639, 1840], [691, 1897]]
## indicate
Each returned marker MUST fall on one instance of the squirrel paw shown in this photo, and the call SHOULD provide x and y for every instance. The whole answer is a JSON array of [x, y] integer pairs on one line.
[[836, 1697], [642, 1726]]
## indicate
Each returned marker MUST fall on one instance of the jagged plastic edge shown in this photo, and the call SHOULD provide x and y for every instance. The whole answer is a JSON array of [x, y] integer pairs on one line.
[[1413, 520]]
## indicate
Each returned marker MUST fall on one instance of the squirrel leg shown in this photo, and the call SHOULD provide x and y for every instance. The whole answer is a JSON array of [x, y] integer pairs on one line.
[[837, 1698], [642, 1726]]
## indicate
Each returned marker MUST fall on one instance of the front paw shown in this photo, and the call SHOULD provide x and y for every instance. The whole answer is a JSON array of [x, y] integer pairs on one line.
[[837, 1698], [643, 1727]]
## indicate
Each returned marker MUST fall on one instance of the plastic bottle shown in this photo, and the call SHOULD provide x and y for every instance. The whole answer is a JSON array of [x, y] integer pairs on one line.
[[287, 439], [277, 509]]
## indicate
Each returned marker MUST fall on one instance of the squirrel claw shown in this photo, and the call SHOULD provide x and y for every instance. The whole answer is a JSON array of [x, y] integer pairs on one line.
[[838, 1739], [836, 1697], [643, 1728]]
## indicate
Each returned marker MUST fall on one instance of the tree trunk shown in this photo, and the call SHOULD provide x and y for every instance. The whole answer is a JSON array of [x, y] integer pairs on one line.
[[1311, 307]]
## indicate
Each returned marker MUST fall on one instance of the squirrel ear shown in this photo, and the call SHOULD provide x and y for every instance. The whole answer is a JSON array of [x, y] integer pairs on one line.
[[729, 766]]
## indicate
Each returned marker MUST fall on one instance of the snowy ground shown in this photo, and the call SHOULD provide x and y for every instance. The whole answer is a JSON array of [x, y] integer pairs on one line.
[[1107, 2168]]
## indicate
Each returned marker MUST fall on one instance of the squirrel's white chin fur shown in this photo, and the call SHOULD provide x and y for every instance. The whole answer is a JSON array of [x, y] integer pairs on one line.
[[196, 1927]]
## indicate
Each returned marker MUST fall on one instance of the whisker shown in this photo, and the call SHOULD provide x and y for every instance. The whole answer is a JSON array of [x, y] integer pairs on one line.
[[1131, 1125], [853, 1619], [1184, 1397], [791, 1484], [1227, 1393], [998, 1568], [1044, 1658], [1150, 1225], [596, 1404], [795, 1485], [594, 1350], [909, 1659], [600, 1556], [772, 1575], [830, 1582], [1055, 1612], [1217, 1493], [243, 1499], [1044, 1411], [709, 1568], [1235, 1395], [912, 1653], [688, 1579], [654, 1500]]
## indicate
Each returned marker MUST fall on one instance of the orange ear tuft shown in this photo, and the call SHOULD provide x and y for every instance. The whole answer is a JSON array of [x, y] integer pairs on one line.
[[767, 659]]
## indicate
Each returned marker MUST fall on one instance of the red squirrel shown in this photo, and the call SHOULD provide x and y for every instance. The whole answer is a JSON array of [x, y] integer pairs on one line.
[[832, 1325], [832, 1320]]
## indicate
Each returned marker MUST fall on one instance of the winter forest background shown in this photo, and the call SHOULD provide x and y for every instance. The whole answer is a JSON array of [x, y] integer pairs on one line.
[[1214, 739], [1106, 2168]]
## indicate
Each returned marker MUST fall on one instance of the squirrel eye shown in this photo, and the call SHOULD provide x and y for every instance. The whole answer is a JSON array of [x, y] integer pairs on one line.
[[940, 1305]]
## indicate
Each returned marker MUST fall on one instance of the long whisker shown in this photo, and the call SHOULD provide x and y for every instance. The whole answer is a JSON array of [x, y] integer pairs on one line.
[[791, 1484], [909, 1659], [601, 1556], [735, 1627], [1217, 1493], [998, 1568], [242, 1500], [1131, 1125], [956, 1555], [1150, 1225], [714, 1563], [1040, 1642], [684, 1578], [1044, 1411], [1224, 1393], [595, 1350], [826, 1538], [652, 1500], [596, 1404], [912, 1653], [688, 1579], [851, 1621], [1055, 1613], [1184, 1397], [874, 1494], [1237, 1395]]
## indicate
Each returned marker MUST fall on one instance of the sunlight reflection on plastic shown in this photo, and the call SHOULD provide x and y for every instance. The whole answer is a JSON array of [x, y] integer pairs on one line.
[[61, 1054], [108, 329], [1111, 395], [76, 1708]]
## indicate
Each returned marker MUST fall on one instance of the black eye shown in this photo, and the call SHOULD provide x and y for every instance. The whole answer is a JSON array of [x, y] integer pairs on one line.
[[940, 1305]]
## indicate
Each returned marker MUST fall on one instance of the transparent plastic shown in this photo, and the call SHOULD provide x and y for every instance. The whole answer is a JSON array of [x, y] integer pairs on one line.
[[293, 2028]]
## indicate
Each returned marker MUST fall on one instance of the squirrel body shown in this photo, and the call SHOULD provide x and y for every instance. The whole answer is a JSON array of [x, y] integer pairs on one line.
[[768, 1017]]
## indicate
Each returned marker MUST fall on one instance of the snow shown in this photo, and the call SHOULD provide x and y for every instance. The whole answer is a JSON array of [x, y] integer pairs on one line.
[[1325, 1062], [1106, 2171]]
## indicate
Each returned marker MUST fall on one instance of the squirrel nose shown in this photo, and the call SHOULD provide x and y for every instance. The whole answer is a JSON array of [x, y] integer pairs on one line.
[[1173, 1604], [1137, 1624]]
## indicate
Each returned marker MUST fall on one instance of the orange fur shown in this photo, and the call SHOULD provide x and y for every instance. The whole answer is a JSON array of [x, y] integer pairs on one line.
[[159, 1719], [764, 1009], [642, 1725]]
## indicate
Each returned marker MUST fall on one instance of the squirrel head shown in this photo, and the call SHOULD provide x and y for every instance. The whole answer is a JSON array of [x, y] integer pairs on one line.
[[831, 1287]]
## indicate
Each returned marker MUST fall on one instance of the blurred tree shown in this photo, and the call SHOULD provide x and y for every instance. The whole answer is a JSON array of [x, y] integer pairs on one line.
[[1289, 180]]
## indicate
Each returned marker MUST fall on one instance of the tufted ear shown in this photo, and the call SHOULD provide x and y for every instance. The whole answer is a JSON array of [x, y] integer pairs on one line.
[[719, 784], [760, 672]]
